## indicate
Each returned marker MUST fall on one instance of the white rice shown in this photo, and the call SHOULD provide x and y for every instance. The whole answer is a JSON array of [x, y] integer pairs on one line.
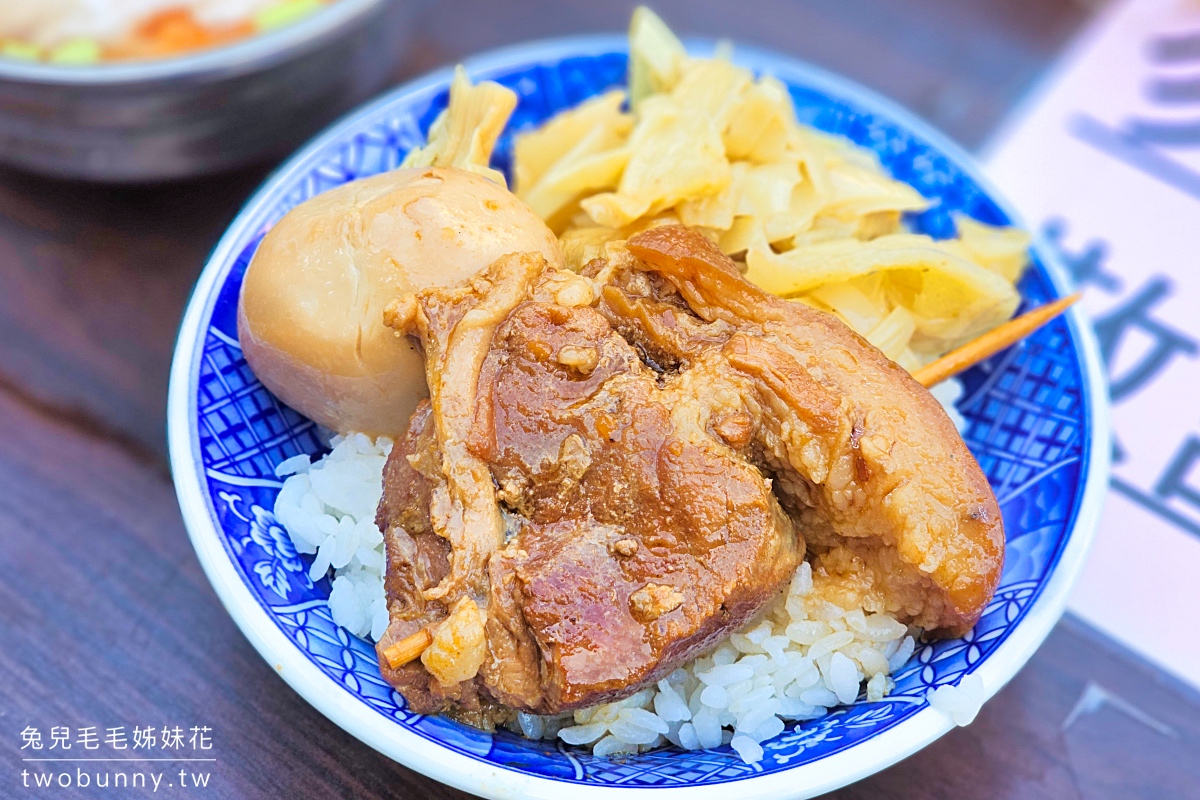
[[804, 657], [959, 702], [949, 392], [328, 508]]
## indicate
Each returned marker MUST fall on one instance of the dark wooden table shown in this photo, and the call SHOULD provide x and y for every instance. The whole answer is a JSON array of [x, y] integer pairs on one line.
[[106, 617]]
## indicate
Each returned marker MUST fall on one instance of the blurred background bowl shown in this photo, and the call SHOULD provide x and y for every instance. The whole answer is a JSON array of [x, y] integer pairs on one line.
[[146, 121]]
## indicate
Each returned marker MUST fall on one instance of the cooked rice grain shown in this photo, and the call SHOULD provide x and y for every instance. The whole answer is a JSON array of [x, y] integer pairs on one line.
[[803, 658], [805, 655], [328, 508]]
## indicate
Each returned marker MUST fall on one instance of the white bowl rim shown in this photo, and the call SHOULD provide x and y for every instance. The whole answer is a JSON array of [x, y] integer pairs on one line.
[[255, 52], [476, 776]]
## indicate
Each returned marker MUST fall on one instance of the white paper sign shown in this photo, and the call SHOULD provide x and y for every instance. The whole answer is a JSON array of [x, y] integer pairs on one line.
[[1104, 159]]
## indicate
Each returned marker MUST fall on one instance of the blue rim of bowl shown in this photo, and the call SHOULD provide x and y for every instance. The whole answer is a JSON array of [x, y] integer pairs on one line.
[[254, 53], [461, 771]]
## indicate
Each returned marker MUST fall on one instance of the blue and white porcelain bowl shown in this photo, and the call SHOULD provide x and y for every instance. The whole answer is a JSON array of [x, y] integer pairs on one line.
[[1036, 418]]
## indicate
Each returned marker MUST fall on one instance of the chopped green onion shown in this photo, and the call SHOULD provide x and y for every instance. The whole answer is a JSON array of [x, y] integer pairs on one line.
[[285, 13], [76, 51], [24, 51]]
